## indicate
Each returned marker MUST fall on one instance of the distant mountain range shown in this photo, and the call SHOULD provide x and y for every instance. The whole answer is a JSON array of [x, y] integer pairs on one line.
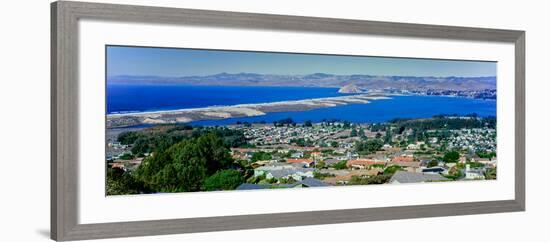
[[412, 83]]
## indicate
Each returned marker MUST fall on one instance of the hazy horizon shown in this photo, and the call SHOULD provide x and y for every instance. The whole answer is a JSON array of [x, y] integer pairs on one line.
[[178, 62]]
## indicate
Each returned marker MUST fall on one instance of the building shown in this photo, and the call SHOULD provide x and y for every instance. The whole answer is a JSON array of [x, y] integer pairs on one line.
[[118, 165], [316, 155], [344, 176], [262, 170], [473, 174], [330, 161], [407, 162], [312, 182], [363, 163], [296, 155], [402, 158], [284, 171], [414, 177], [434, 170], [304, 162]]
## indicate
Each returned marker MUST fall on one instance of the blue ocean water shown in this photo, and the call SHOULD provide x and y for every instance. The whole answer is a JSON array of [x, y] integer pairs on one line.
[[138, 98]]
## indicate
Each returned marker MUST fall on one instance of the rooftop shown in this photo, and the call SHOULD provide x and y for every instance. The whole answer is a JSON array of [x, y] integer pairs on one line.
[[250, 186], [414, 177]]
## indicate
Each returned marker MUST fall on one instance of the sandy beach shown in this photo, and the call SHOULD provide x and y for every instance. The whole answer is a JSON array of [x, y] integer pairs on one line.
[[233, 111]]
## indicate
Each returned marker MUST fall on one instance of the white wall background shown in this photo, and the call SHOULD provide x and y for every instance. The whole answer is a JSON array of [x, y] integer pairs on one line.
[[24, 136]]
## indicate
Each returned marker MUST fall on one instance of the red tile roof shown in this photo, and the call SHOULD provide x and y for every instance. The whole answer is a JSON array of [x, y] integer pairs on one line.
[[364, 162], [299, 161], [403, 159]]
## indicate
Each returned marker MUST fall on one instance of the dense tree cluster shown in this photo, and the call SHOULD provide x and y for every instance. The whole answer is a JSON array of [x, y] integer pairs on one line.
[[491, 174], [224, 180], [451, 157], [284, 122], [445, 122], [488, 155], [120, 182], [260, 155], [162, 137], [184, 166], [181, 159], [341, 165], [379, 179], [302, 142], [368, 146]]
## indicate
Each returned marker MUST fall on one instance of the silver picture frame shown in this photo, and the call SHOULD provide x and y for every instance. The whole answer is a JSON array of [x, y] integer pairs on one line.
[[64, 118]]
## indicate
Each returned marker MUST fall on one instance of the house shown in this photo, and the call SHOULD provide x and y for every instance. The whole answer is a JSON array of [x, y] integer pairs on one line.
[[379, 157], [363, 163], [405, 161], [263, 163], [119, 165], [485, 161], [434, 170], [344, 176], [296, 155], [402, 159], [316, 155], [450, 165], [296, 173], [414, 177], [304, 162], [312, 182], [330, 161], [412, 164], [117, 145], [473, 174], [262, 170]]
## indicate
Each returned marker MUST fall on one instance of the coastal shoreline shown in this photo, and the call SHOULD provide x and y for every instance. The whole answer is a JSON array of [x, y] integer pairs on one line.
[[235, 111]]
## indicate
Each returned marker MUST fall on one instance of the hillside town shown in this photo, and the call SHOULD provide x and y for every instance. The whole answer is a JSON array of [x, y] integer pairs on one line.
[[286, 154]]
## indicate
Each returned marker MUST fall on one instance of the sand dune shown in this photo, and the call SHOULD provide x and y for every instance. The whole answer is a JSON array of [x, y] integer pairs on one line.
[[234, 111]]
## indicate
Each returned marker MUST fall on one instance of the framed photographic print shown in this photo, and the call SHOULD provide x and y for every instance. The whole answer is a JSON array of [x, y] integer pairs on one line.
[[169, 120]]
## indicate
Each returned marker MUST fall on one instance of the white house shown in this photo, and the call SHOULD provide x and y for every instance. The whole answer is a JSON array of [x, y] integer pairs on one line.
[[473, 174]]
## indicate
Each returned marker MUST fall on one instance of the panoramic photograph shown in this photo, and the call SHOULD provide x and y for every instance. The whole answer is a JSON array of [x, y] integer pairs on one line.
[[199, 120]]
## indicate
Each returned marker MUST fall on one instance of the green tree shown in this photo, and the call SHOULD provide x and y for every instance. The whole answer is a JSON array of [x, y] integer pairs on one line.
[[368, 147], [491, 174], [362, 133], [340, 165], [224, 180], [388, 137], [346, 125], [120, 182], [488, 155], [455, 173], [451, 157], [126, 156], [185, 165], [260, 155], [320, 165], [308, 123], [378, 179], [128, 137], [392, 169], [321, 176]]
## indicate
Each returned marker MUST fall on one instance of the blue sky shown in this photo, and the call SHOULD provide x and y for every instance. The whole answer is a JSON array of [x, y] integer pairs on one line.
[[172, 62]]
